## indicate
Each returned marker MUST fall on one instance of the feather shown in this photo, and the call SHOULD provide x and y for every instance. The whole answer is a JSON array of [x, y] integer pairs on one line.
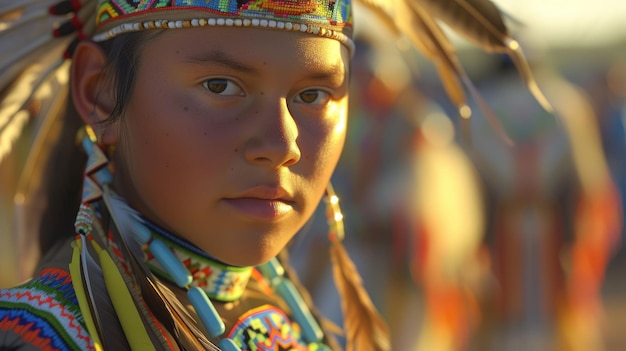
[[81, 296], [481, 23], [13, 117], [365, 329], [103, 312]]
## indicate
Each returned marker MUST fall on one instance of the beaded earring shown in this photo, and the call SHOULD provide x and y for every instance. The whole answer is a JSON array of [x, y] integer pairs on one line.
[[94, 176]]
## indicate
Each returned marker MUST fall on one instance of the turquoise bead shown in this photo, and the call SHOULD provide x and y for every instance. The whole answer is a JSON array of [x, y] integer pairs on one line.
[[140, 231], [228, 345], [103, 176], [273, 271], [174, 268], [311, 331], [206, 311]]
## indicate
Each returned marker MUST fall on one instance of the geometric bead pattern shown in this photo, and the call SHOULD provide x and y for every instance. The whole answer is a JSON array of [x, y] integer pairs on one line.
[[44, 313], [220, 282]]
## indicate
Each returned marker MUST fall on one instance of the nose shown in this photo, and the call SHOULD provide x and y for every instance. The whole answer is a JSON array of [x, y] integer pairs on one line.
[[274, 142]]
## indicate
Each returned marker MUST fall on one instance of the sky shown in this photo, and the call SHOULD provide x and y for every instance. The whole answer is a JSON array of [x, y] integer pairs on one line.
[[571, 23]]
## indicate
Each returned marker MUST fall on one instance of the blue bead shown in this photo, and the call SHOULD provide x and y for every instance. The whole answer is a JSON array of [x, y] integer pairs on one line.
[[140, 231], [103, 176], [228, 345], [301, 313], [176, 270], [206, 311], [273, 271], [87, 145]]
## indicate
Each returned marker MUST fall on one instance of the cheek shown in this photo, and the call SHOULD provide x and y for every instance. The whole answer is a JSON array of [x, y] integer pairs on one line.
[[162, 139], [329, 140]]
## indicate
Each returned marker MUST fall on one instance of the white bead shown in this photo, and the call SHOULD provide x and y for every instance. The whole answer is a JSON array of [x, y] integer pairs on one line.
[[220, 21], [303, 27], [247, 22], [272, 24], [212, 21], [195, 22], [255, 22], [230, 22], [179, 24], [263, 23], [238, 22], [288, 25], [280, 25]]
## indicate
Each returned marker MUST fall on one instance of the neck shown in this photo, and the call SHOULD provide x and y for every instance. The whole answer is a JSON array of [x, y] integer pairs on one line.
[[220, 281]]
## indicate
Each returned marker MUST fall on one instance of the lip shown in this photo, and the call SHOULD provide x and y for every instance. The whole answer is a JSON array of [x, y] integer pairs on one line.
[[268, 203]]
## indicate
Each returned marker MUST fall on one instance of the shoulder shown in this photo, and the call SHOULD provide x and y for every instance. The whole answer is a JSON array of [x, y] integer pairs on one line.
[[43, 314]]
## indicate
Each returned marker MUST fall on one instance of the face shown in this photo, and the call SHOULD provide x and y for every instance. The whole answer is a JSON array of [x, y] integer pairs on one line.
[[231, 135]]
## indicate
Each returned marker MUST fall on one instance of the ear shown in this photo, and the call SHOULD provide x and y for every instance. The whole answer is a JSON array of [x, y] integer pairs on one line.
[[91, 91]]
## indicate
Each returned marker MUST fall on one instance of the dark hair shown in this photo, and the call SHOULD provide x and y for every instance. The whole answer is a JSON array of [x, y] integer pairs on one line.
[[123, 53], [55, 203]]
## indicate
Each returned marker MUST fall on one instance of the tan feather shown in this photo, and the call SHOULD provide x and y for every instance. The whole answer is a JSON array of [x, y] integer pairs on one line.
[[365, 329]]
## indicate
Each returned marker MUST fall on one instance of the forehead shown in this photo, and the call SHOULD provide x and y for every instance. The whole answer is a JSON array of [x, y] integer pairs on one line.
[[248, 44]]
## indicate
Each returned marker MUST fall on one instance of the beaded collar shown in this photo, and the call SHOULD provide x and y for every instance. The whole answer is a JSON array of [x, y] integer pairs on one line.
[[220, 281]]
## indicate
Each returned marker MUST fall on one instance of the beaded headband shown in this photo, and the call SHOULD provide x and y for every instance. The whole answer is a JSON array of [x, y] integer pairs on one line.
[[325, 18]]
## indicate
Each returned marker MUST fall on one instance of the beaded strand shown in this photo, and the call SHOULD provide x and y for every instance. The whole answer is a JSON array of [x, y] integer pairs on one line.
[[225, 22]]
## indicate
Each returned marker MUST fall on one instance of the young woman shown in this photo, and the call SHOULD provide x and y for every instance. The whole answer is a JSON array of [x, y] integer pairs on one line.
[[211, 130]]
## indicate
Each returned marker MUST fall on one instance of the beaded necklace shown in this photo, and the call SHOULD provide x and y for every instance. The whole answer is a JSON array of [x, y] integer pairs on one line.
[[206, 279]]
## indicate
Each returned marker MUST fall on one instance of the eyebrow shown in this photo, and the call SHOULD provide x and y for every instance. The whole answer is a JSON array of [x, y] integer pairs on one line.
[[331, 72], [220, 57]]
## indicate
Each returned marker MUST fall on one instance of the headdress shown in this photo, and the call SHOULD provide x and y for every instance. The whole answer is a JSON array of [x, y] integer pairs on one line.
[[326, 18], [38, 36]]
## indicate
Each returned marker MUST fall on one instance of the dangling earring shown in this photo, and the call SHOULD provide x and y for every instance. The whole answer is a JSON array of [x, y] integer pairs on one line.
[[364, 327], [95, 175]]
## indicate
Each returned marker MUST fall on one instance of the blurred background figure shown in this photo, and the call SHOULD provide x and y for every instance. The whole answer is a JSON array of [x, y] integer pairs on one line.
[[554, 218]]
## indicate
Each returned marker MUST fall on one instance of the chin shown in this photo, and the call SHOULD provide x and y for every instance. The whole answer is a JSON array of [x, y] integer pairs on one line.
[[246, 257]]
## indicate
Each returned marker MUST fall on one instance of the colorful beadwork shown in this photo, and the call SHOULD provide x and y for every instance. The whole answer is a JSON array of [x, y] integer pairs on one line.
[[326, 18], [44, 312], [267, 328], [219, 281]]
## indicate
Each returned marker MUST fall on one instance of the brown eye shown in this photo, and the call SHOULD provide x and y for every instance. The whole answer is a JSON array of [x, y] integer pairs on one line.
[[221, 86], [312, 97], [309, 96]]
